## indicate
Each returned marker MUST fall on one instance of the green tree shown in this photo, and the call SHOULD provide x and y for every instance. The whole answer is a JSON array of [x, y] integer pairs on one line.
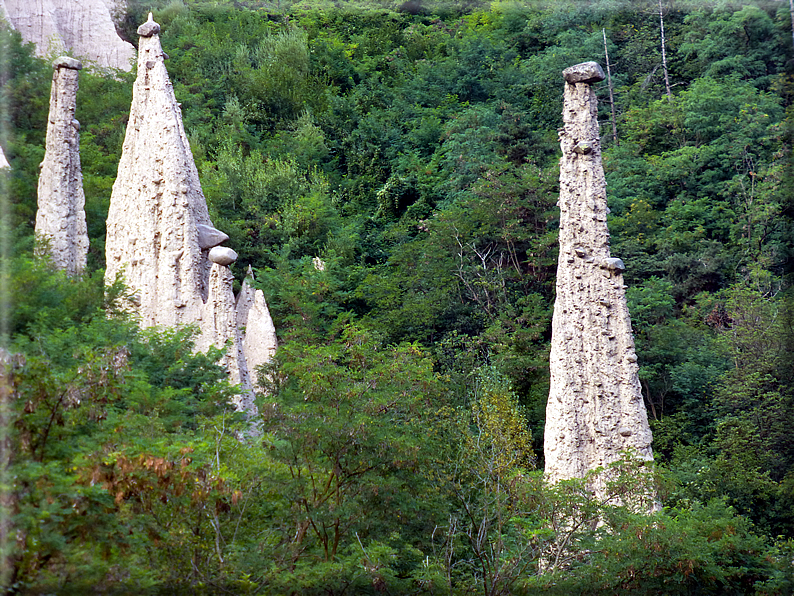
[[358, 428]]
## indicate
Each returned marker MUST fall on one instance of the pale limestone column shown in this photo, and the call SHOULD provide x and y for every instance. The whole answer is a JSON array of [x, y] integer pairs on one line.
[[160, 238], [158, 230]]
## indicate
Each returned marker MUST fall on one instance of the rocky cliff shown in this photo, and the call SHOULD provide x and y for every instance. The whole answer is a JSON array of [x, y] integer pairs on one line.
[[60, 219], [595, 410], [83, 28]]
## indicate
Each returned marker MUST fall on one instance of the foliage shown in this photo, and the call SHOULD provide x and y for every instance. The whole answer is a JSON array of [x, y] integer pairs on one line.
[[357, 428], [704, 550], [389, 172], [99, 413]]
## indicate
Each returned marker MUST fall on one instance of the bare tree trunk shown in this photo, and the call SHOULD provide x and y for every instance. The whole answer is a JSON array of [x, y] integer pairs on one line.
[[664, 52], [609, 83]]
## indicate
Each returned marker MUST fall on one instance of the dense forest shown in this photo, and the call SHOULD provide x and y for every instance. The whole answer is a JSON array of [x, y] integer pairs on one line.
[[412, 148]]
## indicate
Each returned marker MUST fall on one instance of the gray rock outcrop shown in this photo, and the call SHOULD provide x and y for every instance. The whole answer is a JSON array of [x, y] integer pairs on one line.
[[84, 28], [595, 410], [160, 239], [60, 218]]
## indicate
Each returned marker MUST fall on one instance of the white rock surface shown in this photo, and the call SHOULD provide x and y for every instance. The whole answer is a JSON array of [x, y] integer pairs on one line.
[[219, 325], [60, 218], [81, 27], [595, 409], [3, 161], [256, 328]]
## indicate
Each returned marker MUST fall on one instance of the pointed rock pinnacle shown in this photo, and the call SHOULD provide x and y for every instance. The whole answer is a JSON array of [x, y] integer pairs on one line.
[[256, 327], [158, 223], [60, 219], [595, 410], [160, 239]]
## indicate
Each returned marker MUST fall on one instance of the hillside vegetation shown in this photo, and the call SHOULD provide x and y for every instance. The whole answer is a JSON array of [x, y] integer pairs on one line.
[[412, 148]]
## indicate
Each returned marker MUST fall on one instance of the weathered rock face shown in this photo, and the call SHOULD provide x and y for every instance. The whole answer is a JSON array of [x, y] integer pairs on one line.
[[595, 409], [219, 325], [159, 235], [60, 218], [83, 27]]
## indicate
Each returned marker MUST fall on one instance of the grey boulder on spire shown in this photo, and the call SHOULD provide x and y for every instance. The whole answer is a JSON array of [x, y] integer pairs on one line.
[[586, 72], [149, 28]]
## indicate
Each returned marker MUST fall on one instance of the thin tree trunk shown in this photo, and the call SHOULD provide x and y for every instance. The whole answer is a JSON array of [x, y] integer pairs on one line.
[[664, 52], [611, 95]]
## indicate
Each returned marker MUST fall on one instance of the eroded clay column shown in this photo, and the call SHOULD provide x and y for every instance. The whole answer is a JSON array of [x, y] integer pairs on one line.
[[595, 410], [60, 218], [160, 239], [256, 328], [159, 232]]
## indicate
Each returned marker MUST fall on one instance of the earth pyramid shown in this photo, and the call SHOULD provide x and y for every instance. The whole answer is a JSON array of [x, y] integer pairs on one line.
[[595, 411], [60, 218], [160, 239]]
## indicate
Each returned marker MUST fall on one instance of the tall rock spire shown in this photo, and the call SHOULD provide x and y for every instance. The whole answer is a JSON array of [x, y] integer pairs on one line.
[[60, 218], [160, 239], [595, 410], [158, 230]]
